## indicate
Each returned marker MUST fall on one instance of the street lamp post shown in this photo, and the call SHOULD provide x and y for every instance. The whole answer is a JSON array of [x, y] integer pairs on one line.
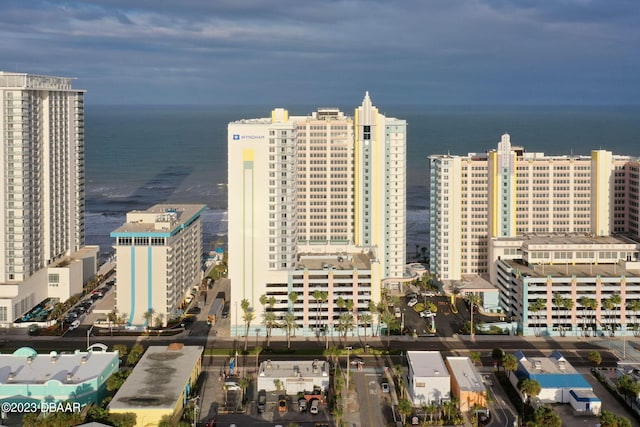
[[195, 409], [348, 348], [88, 334]]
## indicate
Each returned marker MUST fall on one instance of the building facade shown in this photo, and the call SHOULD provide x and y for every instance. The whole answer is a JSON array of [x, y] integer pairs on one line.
[[466, 384], [159, 254], [508, 192], [294, 377], [42, 196], [324, 187], [429, 381]]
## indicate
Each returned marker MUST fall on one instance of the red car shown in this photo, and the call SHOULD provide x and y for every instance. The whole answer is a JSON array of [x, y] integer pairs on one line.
[[211, 423]]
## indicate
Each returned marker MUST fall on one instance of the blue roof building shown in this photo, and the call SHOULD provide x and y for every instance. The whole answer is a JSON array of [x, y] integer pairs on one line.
[[555, 375]]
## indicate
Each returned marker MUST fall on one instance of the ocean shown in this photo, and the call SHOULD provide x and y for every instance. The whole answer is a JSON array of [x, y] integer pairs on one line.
[[137, 156]]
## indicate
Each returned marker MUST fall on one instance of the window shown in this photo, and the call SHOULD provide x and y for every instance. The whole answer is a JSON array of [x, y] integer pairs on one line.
[[4, 314], [54, 278]]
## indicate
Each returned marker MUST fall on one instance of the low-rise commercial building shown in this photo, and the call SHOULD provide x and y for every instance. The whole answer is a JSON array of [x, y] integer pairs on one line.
[[28, 377], [556, 376], [429, 380], [293, 376], [160, 384], [466, 383]]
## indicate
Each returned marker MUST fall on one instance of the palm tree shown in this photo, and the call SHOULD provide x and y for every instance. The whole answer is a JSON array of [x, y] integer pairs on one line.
[[243, 383], [405, 408], [634, 306], [345, 323], [390, 320], [147, 316], [536, 307], [289, 324], [590, 304], [558, 301], [529, 387], [609, 305], [247, 317], [473, 300], [293, 297], [476, 357], [567, 304], [366, 319], [270, 322], [509, 363]]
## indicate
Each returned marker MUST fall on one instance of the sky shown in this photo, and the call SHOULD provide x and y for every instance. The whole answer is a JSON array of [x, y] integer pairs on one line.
[[404, 52]]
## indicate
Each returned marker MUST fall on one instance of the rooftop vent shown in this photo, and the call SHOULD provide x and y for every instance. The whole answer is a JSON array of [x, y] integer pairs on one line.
[[29, 360], [84, 360], [69, 376], [12, 376]]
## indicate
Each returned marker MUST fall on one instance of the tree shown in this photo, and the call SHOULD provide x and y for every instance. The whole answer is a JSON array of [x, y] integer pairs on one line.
[[270, 322], [243, 383], [345, 323], [497, 354], [122, 349], [390, 320], [147, 316], [558, 301], [365, 320], [608, 419], [629, 388], [405, 408], [536, 307], [135, 354], [473, 300], [609, 305], [595, 358], [289, 323], [634, 306], [509, 363], [476, 357], [247, 317], [567, 304], [589, 307], [116, 380], [529, 387], [545, 416], [159, 320]]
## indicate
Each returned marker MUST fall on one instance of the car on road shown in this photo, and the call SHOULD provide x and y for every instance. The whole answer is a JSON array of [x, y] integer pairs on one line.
[[225, 311], [194, 310], [427, 313], [411, 296], [33, 330], [357, 361], [412, 302], [74, 325], [385, 387]]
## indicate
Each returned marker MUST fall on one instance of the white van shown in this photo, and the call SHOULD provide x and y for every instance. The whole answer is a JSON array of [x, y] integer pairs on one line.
[[314, 408]]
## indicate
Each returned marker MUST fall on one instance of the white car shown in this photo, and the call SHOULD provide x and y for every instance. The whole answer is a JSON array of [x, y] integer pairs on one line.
[[397, 312], [427, 313], [74, 325], [412, 302], [385, 387]]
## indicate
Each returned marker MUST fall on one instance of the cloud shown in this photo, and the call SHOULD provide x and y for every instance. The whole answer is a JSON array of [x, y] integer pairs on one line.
[[438, 51]]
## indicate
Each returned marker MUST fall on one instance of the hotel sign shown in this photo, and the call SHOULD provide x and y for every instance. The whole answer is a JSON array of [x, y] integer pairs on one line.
[[238, 137]]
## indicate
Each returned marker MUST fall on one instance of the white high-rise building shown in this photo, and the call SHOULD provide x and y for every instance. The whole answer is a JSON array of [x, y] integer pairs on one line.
[[317, 205], [42, 193]]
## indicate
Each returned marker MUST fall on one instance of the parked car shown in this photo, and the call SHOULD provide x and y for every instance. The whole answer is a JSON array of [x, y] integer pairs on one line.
[[411, 296], [412, 302], [427, 313], [282, 403], [397, 312], [262, 401], [385, 387], [33, 330], [74, 325], [302, 404], [315, 407]]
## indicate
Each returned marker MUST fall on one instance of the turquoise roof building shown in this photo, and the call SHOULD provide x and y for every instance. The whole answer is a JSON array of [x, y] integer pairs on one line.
[[27, 377]]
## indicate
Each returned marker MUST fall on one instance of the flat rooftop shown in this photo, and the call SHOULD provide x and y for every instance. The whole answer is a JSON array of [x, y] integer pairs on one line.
[[568, 270], [349, 261], [289, 369], [427, 364], [25, 366], [158, 379], [161, 218], [555, 364], [466, 375]]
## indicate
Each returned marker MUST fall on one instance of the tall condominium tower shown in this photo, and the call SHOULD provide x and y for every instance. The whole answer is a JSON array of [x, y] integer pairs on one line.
[[42, 192], [159, 254], [508, 192], [317, 216]]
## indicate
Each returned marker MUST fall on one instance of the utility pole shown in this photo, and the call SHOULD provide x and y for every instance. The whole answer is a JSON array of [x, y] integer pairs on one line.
[[348, 348]]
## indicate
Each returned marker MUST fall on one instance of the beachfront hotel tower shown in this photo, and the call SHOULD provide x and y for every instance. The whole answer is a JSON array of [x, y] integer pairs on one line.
[[159, 253], [317, 216], [508, 192], [42, 195]]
